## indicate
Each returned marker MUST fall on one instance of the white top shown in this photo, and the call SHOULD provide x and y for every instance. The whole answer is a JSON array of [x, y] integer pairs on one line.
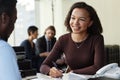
[[8, 63]]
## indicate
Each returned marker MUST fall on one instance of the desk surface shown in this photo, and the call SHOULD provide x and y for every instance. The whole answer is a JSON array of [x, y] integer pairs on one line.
[[40, 76], [30, 78]]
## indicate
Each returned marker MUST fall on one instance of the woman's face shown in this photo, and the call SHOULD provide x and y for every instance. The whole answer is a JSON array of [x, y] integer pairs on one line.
[[34, 35], [80, 20]]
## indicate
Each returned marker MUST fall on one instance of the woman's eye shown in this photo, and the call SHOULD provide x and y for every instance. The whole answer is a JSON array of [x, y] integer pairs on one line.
[[82, 19], [72, 18]]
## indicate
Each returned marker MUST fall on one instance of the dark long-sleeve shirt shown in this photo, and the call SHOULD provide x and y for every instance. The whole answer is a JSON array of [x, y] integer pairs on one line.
[[86, 59], [30, 52]]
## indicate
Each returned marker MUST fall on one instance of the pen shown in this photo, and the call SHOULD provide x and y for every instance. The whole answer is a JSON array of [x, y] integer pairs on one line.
[[55, 65], [67, 69]]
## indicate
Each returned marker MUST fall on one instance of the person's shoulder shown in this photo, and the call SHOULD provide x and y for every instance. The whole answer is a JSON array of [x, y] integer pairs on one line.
[[41, 38], [65, 36], [54, 38], [3, 43], [97, 36], [4, 46], [24, 42]]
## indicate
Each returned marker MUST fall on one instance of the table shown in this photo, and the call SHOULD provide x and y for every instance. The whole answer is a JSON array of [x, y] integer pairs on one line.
[[30, 78], [40, 76]]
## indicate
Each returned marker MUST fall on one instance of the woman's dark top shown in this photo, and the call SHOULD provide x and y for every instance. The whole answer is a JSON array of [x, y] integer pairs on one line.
[[86, 59], [30, 52]]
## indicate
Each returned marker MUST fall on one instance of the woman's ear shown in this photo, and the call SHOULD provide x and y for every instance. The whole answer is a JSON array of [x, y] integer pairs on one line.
[[31, 33], [4, 18], [91, 22]]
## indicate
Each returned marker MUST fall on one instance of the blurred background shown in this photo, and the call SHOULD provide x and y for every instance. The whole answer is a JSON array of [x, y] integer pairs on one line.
[[43, 13]]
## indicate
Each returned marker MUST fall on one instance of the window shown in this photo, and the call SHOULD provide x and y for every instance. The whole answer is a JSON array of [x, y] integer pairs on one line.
[[25, 18]]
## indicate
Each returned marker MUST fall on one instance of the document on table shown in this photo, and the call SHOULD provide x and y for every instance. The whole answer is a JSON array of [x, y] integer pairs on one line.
[[74, 76], [66, 76], [45, 77]]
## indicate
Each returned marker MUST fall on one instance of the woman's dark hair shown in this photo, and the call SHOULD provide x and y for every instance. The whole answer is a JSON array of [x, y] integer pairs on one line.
[[95, 28], [32, 29], [7, 6], [51, 27]]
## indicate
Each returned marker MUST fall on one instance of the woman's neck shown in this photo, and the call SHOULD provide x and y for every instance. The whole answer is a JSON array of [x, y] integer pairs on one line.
[[30, 38], [79, 37], [31, 41]]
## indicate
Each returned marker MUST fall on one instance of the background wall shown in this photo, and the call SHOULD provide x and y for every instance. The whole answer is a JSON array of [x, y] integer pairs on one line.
[[108, 12], [50, 13]]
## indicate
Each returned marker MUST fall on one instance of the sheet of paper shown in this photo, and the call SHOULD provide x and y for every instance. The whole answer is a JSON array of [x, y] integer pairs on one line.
[[66, 76], [45, 77], [73, 76]]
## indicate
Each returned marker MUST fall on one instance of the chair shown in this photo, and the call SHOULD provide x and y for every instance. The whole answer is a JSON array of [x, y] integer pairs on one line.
[[112, 54], [20, 52], [25, 65]]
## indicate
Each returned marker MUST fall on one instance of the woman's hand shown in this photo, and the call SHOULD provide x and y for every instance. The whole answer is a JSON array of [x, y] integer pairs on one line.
[[45, 54], [55, 73], [60, 61]]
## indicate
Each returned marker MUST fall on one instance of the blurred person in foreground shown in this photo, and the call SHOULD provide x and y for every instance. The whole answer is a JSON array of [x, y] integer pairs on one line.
[[8, 61]]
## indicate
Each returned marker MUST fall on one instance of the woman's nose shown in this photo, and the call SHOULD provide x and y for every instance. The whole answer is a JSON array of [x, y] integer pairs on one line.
[[76, 21]]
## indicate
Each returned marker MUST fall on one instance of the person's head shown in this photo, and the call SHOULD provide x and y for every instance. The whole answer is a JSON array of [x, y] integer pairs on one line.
[[33, 31], [83, 16], [8, 16], [50, 32]]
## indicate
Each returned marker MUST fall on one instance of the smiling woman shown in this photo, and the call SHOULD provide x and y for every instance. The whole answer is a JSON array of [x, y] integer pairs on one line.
[[83, 46]]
